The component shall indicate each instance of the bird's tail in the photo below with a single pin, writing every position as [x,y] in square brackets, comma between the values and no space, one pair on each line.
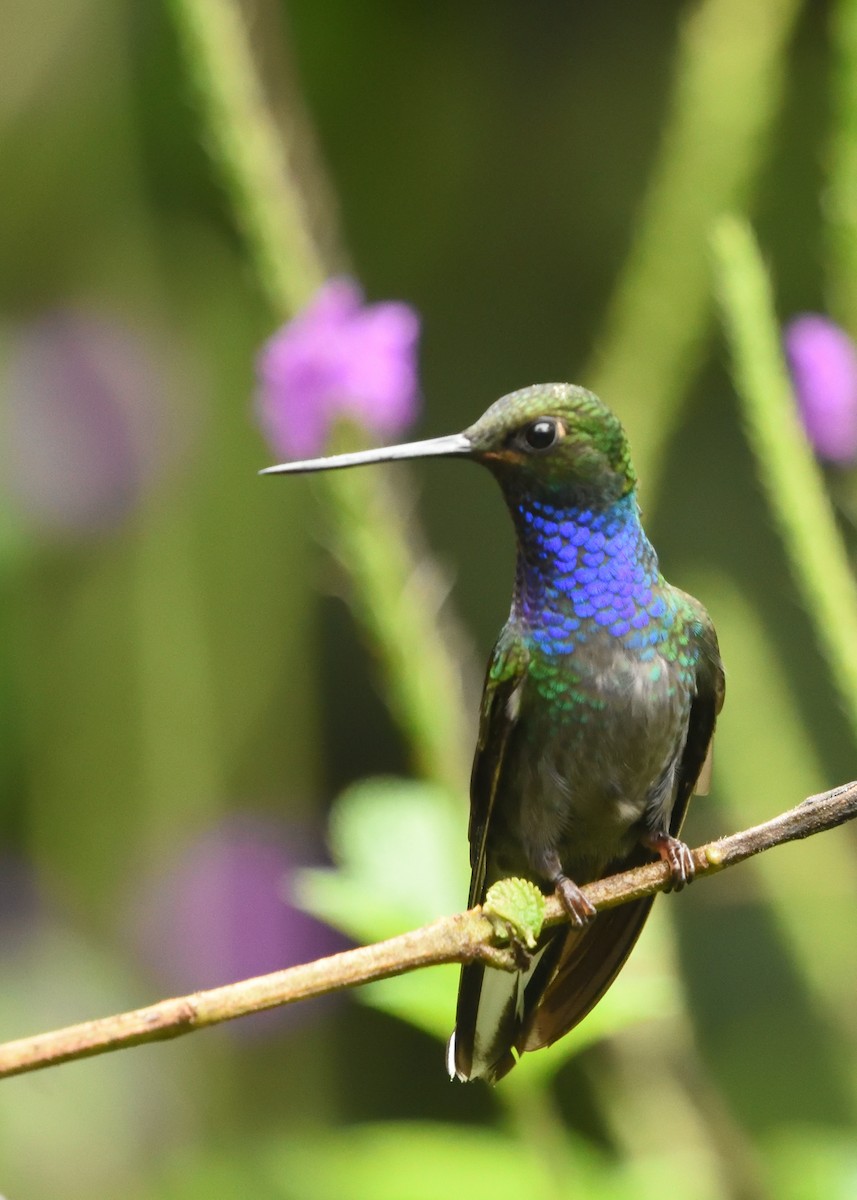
[501,1015]
[490,1014]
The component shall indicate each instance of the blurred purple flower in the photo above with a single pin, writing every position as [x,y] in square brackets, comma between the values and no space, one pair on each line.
[223,911]
[338,357]
[83,420]
[822,360]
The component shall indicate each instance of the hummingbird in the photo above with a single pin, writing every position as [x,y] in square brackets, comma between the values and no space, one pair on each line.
[597,714]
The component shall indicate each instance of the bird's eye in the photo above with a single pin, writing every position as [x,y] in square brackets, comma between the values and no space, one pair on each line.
[541,434]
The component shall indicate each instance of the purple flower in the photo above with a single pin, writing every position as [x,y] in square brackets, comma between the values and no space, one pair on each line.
[221,909]
[822,360]
[338,357]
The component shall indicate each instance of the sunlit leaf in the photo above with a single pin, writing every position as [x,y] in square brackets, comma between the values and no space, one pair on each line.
[400,857]
[400,864]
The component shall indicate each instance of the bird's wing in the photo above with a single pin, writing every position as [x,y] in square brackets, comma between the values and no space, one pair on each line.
[485,1019]
[591,959]
[695,769]
[501,704]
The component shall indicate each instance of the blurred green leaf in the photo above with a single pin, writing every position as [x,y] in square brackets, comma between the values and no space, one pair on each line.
[400,857]
[423,1161]
[389,1161]
[425,999]
[409,1160]
[808,1163]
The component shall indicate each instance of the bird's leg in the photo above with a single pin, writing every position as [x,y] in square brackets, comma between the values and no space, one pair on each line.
[580,911]
[676,854]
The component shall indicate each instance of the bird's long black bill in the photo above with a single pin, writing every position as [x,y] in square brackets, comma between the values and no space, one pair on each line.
[451,446]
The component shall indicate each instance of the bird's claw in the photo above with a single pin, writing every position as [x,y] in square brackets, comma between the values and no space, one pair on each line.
[677,856]
[580,911]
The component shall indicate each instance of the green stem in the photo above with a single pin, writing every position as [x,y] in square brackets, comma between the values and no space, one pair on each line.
[784,757]
[840,206]
[398,599]
[726,95]
[251,151]
[791,476]
[394,592]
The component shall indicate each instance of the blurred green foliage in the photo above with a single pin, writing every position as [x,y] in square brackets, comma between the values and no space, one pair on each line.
[541,182]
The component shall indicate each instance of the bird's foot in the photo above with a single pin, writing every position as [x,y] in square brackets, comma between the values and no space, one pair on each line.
[676,855]
[580,911]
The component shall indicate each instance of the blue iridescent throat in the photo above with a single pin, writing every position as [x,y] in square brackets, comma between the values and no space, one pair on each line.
[582,570]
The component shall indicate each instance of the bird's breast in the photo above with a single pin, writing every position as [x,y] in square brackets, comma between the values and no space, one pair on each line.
[593,743]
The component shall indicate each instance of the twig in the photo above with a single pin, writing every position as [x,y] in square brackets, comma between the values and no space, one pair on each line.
[460,938]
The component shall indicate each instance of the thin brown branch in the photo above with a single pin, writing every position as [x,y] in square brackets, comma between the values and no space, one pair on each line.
[460,938]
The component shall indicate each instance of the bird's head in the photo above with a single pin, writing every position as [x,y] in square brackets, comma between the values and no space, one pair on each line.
[554,439]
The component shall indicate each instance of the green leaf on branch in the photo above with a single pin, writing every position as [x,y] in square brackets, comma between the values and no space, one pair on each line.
[516,909]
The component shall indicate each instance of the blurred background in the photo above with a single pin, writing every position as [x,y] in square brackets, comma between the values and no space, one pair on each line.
[186,692]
